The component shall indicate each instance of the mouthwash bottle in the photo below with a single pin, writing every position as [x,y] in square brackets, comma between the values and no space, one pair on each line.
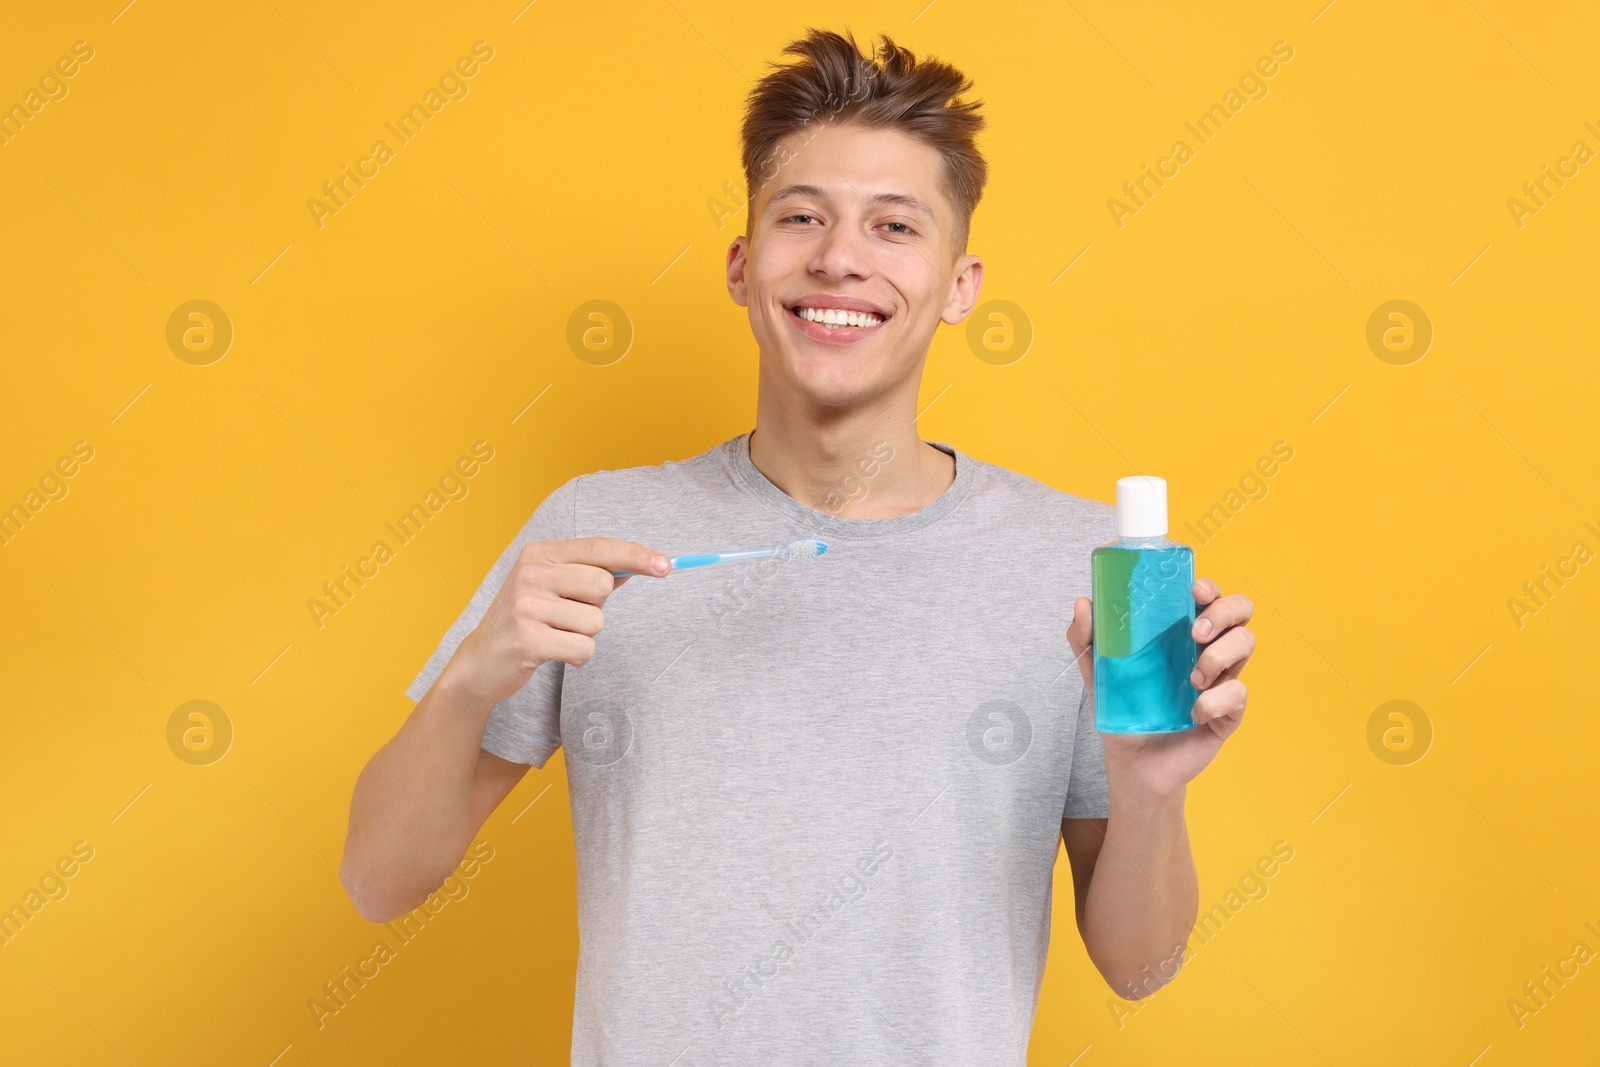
[1144,610]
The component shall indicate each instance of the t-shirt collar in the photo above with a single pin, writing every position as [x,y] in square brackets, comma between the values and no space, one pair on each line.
[748,477]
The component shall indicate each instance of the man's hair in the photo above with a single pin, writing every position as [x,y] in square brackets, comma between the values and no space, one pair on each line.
[834,83]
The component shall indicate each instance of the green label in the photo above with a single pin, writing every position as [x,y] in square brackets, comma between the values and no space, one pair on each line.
[1112,570]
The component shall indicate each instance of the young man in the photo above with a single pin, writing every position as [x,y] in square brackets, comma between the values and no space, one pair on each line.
[817,806]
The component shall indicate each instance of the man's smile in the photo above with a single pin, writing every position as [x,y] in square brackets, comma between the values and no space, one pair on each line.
[836,319]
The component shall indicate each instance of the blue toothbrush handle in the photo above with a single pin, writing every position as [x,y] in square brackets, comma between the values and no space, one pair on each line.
[700,560]
[680,562]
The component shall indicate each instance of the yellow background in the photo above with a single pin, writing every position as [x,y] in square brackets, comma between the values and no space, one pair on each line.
[1230,313]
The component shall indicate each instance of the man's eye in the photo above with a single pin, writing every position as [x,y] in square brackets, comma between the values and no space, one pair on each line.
[791,218]
[907,229]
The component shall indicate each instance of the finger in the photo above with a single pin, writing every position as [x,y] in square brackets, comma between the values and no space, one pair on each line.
[1080,634]
[1233,647]
[573,616]
[1225,701]
[580,581]
[1230,673]
[571,648]
[1221,613]
[610,553]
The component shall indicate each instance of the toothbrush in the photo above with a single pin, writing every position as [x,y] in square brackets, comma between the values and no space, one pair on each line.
[794,550]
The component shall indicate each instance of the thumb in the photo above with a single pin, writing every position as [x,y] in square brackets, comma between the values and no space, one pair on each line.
[1081,631]
[1080,635]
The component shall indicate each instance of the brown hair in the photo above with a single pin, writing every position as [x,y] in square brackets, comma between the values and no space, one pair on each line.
[889,89]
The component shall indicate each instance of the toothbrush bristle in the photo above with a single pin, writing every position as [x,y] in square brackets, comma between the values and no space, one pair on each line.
[807,549]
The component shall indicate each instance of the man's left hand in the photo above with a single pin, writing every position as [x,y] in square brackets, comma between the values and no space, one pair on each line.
[1160,765]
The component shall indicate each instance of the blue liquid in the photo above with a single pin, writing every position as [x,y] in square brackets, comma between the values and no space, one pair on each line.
[1144,649]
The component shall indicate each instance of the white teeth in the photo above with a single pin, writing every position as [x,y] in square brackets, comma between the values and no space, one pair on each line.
[836,318]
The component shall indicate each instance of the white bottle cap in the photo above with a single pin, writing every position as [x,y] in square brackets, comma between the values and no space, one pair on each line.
[1141,506]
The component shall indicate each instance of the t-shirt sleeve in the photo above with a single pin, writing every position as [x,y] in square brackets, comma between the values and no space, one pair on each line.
[1088,795]
[525,727]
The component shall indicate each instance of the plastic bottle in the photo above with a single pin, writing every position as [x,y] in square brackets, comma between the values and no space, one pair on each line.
[1144,611]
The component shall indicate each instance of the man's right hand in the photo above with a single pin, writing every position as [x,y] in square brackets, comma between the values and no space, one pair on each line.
[547,609]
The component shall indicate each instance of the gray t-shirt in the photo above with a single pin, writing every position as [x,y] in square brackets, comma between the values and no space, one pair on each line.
[816,802]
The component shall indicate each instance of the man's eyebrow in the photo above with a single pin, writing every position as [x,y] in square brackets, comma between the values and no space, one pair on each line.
[905,200]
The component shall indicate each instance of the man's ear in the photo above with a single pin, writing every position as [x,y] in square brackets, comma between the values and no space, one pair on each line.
[738,258]
[965,285]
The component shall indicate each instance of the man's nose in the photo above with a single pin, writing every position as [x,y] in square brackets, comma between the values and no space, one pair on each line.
[842,251]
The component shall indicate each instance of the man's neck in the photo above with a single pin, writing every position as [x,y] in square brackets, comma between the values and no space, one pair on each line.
[861,466]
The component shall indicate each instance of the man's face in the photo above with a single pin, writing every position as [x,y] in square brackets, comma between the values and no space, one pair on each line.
[852,219]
